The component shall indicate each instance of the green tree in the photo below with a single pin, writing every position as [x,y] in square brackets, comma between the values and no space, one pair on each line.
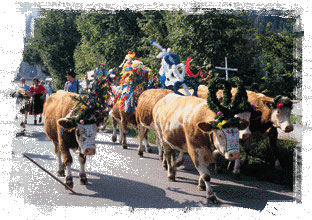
[53,44]
[106,37]
[277,62]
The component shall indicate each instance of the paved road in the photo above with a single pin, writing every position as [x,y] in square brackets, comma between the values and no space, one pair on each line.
[119,178]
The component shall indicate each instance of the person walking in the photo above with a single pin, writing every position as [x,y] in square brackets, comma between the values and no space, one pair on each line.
[37,92]
[72,84]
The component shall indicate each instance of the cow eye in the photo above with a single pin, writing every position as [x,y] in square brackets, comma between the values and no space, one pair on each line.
[278,111]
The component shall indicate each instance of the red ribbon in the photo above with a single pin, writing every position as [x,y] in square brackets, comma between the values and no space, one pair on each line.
[188,71]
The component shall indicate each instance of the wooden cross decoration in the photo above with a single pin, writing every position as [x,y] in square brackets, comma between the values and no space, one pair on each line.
[226,69]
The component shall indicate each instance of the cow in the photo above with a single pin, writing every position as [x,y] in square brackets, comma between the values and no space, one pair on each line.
[244,134]
[66,134]
[23,103]
[186,123]
[270,114]
[144,116]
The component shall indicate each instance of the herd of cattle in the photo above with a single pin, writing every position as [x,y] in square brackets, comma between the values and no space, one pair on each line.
[181,123]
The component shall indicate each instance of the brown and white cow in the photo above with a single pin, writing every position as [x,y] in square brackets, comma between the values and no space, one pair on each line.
[271,114]
[124,119]
[265,120]
[144,116]
[23,103]
[59,126]
[244,134]
[185,123]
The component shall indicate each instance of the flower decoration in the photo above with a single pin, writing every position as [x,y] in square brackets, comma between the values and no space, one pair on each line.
[93,104]
[254,107]
[135,78]
[228,109]
[281,101]
[280,105]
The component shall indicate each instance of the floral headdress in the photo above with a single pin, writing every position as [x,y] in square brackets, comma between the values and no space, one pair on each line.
[93,104]
[280,101]
[226,111]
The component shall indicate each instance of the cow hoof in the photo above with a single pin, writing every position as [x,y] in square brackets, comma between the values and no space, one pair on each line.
[201,187]
[83,179]
[61,173]
[164,166]
[69,181]
[140,153]
[179,163]
[212,199]
[171,178]
[114,138]
[124,146]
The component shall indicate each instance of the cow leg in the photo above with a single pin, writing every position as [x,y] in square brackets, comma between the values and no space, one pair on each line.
[114,124]
[61,170]
[68,160]
[201,158]
[204,177]
[141,133]
[148,148]
[123,129]
[236,170]
[169,154]
[180,159]
[82,174]
[273,146]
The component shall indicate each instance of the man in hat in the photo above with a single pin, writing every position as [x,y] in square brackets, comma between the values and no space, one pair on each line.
[72,84]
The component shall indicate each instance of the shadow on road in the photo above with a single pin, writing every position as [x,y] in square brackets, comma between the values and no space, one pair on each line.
[132,193]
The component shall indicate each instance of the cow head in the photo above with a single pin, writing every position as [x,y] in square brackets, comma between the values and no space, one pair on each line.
[280,112]
[244,133]
[85,134]
[226,140]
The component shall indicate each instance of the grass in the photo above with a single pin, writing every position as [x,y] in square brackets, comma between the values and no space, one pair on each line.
[296,119]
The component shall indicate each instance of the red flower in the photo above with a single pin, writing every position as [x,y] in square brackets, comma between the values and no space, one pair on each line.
[280,105]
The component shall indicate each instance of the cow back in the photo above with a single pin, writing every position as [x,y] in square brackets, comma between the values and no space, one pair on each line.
[146,103]
[178,117]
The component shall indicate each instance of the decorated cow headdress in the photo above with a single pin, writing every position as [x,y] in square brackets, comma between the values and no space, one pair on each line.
[172,71]
[228,109]
[135,78]
[93,104]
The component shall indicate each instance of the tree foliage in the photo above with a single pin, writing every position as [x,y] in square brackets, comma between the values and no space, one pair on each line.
[83,40]
[55,39]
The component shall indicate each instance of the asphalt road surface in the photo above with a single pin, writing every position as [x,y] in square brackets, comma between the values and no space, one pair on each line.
[117,177]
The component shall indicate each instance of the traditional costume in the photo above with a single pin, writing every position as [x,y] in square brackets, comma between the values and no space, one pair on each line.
[37,100]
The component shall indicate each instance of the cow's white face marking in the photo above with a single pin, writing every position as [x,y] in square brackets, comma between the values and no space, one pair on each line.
[246,133]
[85,136]
[280,118]
[220,142]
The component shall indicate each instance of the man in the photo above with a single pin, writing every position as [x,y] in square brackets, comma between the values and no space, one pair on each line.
[72,85]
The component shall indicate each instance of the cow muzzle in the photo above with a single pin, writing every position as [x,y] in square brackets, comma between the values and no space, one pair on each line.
[89,151]
[232,155]
[289,128]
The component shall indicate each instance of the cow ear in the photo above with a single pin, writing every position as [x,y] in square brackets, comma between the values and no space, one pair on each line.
[268,102]
[243,124]
[67,123]
[204,126]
